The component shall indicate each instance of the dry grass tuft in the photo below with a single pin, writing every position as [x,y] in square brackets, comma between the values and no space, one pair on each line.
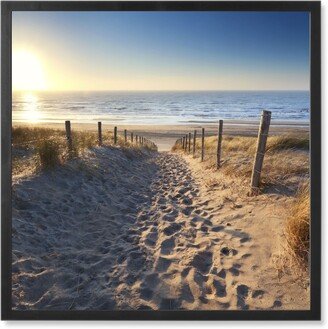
[49,153]
[83,140]
[25,136]
[297,229]
[287,142]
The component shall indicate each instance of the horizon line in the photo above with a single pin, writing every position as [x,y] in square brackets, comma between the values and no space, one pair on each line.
[154,90]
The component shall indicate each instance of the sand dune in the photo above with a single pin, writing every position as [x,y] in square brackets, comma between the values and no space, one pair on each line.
[125,229]
[165,135]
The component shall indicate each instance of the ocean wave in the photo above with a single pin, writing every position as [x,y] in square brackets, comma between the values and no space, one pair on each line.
[167,107]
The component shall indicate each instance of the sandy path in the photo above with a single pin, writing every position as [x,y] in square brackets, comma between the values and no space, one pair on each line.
[120,230]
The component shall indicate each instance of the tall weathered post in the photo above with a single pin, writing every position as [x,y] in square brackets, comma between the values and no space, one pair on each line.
[260,151]
[219,146]
[194,144]
[68,136]
[183,142]
[131,137]
[125,135]
[189,137]
[186,146]
[99,134]
[203,144]
[115,135]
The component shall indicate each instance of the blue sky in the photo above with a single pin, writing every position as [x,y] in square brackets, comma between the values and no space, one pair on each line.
[167,50]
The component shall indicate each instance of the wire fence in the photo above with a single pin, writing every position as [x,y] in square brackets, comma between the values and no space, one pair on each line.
[184,143]
[111,138]
[55,147]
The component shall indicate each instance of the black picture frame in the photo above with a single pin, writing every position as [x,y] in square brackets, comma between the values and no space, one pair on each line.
[313,7]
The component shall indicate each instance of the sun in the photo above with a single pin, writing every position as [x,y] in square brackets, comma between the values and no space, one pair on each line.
[27,71]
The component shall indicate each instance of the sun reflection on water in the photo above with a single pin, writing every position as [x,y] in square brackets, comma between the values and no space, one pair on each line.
[31,111]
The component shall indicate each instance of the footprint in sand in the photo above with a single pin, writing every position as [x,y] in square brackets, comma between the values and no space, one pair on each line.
[151,239]
[171,229]
[167,246]
[220,288]
[203,261]
[277,303]
[217,228]
[162,264]
[226,251]
[258,294]
[234,271]
[136,261]
[242,294]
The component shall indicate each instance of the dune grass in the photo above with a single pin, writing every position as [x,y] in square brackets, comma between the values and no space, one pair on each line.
[44,148]
[49,153]
[297,228]
[285,161]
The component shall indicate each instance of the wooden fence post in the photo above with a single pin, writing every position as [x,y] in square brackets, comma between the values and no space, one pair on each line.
[183,142]
[189,137]
[125,135]
[194,144]
[219,147]
[186,146]
[203,144]
[115,135]
[259,155]
[131,137]
[69,135]
[99,134]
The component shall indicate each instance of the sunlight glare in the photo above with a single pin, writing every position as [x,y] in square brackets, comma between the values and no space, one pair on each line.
[27,71]
[30,112]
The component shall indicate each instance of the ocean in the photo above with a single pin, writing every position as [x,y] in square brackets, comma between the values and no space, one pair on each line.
[159,107]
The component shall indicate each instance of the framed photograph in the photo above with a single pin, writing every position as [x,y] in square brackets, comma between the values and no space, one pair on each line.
[160,160]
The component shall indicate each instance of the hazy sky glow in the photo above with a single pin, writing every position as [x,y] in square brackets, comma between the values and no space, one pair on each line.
[161,50]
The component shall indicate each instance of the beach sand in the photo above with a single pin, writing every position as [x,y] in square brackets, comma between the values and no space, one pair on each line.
[129,229]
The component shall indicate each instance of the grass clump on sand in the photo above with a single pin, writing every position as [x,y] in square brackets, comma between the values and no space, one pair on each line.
[83,140]
[286,159]
[277,143]
[49,153]
[297,229]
